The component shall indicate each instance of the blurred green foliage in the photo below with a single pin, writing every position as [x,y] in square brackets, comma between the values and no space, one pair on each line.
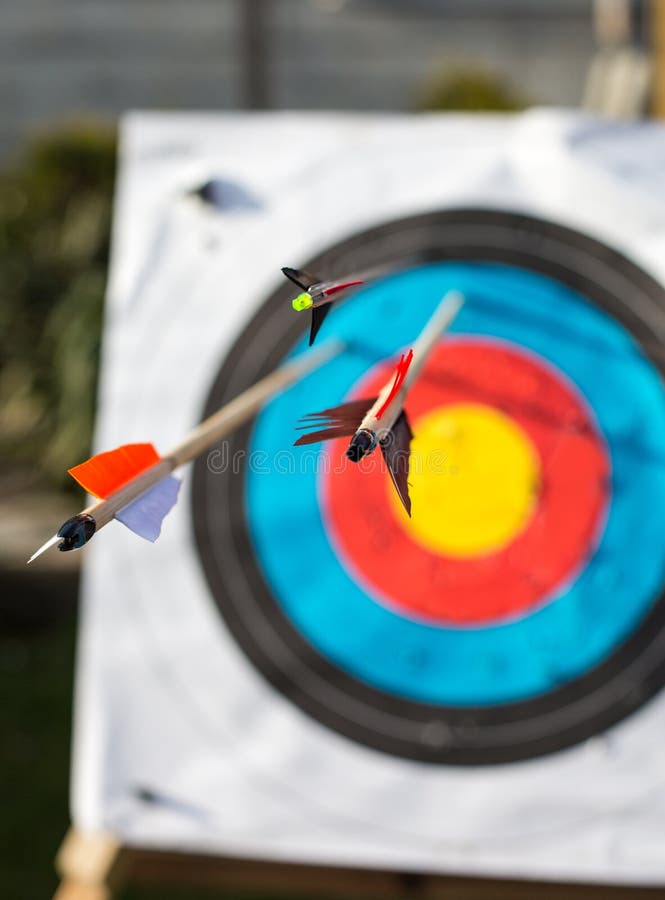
[36,674]
[35,699]
[55,220]
[469,89]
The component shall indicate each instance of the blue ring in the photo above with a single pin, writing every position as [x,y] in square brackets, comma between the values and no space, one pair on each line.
[499,664]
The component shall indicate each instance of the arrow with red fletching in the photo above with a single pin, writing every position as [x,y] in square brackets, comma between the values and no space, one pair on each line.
[382,421]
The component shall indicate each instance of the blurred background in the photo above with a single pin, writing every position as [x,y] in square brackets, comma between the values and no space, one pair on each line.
[70,68]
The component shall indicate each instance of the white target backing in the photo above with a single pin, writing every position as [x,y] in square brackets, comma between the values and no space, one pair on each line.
[214,712]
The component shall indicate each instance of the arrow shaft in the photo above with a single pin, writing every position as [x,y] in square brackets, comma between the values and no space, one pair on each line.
[211,430]
[441,318]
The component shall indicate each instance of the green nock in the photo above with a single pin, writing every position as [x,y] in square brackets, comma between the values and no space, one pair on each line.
[302,301]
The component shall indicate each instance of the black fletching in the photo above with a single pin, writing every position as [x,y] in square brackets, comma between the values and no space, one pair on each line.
[396,449]
[304,280]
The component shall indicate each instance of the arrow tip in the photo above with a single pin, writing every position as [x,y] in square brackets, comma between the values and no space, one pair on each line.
[44,547]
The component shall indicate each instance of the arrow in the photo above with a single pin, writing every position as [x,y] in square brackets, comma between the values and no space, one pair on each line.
[382,421]
[134,483]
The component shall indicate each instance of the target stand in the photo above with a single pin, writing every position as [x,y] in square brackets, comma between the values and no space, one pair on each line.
[96,867]
[300,682]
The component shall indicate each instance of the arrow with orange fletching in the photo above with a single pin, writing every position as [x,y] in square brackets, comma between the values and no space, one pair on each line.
[134,484]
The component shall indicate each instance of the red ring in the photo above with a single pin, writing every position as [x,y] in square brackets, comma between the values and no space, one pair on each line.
[561,534]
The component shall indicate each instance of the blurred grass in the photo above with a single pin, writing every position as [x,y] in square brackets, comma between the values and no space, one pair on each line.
[55,214]
[36,704]
[55,221]
[36,678]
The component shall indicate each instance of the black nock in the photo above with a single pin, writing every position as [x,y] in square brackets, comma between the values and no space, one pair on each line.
[76,532]
[362,443]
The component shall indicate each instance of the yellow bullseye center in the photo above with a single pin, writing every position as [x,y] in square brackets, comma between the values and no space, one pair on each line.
[474,476]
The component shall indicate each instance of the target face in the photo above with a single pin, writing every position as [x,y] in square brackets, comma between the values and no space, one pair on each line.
[520,609]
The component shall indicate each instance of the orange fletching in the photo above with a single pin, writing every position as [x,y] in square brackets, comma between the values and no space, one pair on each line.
[104,473]
[400,375]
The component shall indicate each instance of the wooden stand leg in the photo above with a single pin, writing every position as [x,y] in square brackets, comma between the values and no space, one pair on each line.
[91,866]
[657,11]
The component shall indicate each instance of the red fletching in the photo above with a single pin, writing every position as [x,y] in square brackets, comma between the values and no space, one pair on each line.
[400,375]
[106,472]
[342,286]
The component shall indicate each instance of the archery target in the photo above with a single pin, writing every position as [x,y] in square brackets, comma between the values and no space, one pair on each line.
[520,610]
[295,670]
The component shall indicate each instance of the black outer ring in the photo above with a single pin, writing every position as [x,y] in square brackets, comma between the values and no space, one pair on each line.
[466,736]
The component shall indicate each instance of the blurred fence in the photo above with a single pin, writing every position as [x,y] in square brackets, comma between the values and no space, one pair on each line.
[64,57]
